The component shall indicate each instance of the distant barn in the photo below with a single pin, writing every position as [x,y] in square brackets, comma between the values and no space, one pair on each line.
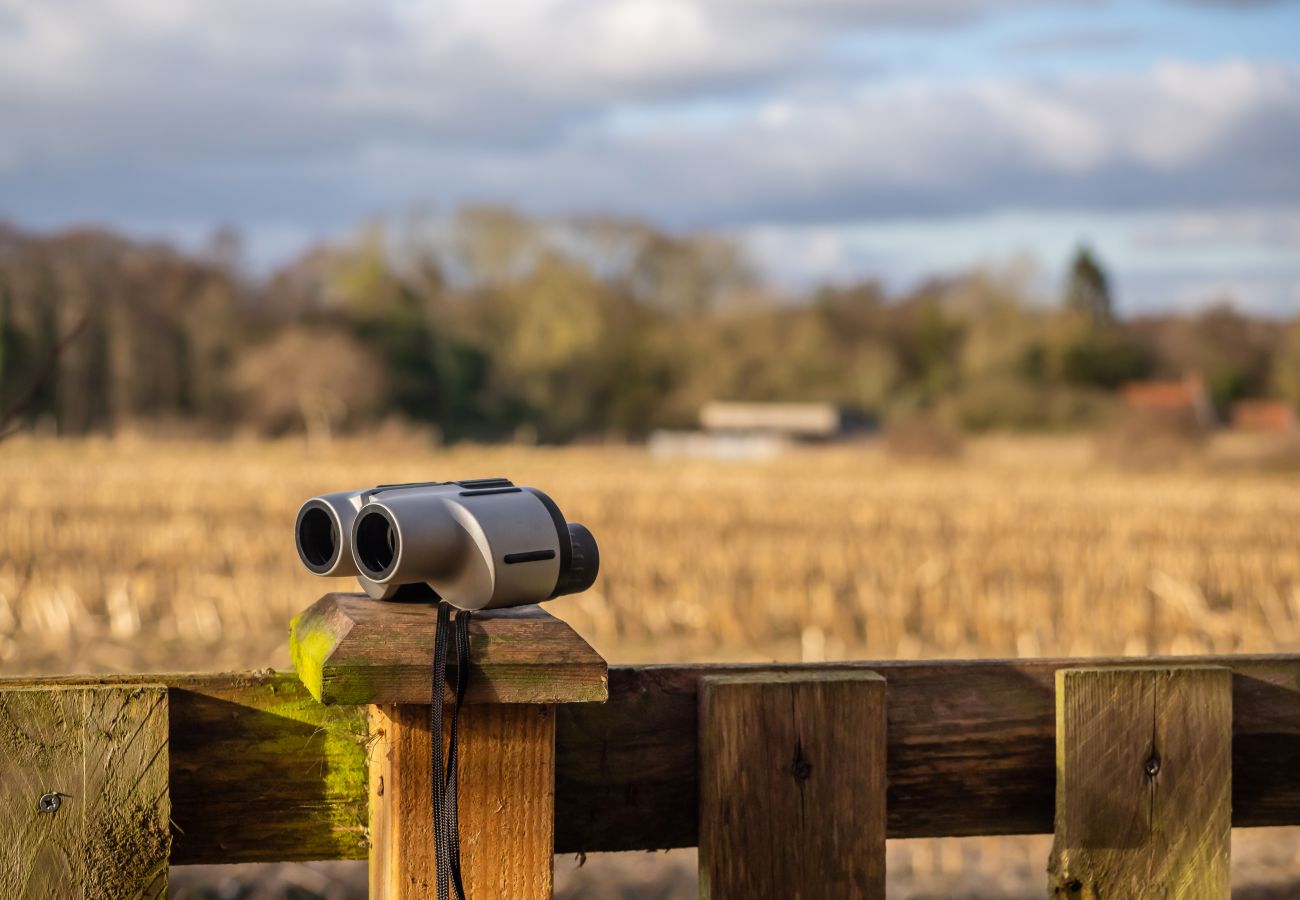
[1266,416]
[1183,402]
[760,430]
[791,421]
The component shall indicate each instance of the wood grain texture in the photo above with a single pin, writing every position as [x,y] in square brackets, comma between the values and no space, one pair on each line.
[1143,785]
[261,772]
[507,798]
[982,731]
[103,753]
[350,649]
[402,852]
[792,786]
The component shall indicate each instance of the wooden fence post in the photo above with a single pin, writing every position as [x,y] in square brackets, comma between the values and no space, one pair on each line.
[792,785]
[507,769]
[83,792]
[1143,783]
[350,649]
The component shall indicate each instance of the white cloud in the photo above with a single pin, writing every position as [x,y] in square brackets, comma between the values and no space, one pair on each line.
[95,78]
[312,113]
[105,76]
[1179,135]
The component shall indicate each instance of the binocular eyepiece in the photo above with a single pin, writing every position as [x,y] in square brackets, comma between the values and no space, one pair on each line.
[480,544]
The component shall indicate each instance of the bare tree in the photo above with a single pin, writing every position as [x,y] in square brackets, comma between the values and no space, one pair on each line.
[10,416]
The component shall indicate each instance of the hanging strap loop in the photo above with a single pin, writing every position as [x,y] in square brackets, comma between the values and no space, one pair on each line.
[446,819]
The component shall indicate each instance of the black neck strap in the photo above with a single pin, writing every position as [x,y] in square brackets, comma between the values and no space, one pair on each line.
[446,822]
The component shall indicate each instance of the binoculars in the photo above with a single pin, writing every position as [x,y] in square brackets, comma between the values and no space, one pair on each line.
[478,544]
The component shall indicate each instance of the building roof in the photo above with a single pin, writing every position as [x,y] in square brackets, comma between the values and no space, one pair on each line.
[796,419]
[1263,415]
[1163,394]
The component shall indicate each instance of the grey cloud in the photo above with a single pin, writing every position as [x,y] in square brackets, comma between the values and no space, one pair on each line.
[93,79]
[321,111]
[1179,136]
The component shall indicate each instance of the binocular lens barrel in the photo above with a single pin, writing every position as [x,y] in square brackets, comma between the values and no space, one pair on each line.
[318,537]
[323,533]
[376,544]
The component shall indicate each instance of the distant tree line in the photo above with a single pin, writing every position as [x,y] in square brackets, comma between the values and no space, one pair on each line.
[495,325]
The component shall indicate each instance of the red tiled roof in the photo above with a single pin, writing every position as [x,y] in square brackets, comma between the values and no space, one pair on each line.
[1163,394]
[1263,415]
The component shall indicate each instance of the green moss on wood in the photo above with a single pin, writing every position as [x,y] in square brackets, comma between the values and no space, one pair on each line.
[253,741]
[310,644]
[338,746]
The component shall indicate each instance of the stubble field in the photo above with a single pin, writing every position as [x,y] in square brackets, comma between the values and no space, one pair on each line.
[140,555]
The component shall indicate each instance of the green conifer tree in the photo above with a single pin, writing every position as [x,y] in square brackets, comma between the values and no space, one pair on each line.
[1088,288]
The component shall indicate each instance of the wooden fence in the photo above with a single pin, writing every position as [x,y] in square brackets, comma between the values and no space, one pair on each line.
[788,777]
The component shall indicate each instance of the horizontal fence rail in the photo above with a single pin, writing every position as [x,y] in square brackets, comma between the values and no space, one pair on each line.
[261,772]
[970,749]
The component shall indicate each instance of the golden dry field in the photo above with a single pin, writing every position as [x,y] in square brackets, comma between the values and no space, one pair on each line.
[133,555]
[136,555]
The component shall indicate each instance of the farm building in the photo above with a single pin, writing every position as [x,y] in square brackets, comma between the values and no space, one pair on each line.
[1184,402]
[759,430]
[1265,416]
[792,421]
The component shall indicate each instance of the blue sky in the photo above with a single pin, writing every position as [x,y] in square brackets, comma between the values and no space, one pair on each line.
[837,139]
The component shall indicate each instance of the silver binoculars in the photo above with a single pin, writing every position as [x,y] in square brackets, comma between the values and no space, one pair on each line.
[478,544]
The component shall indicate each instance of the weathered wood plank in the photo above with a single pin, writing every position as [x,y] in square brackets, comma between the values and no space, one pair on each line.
[262,772]
[1143,784]
[508,784]
[792,786]
[980,730]
[83,792]
[350,649]
[402,848]
[507,799]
